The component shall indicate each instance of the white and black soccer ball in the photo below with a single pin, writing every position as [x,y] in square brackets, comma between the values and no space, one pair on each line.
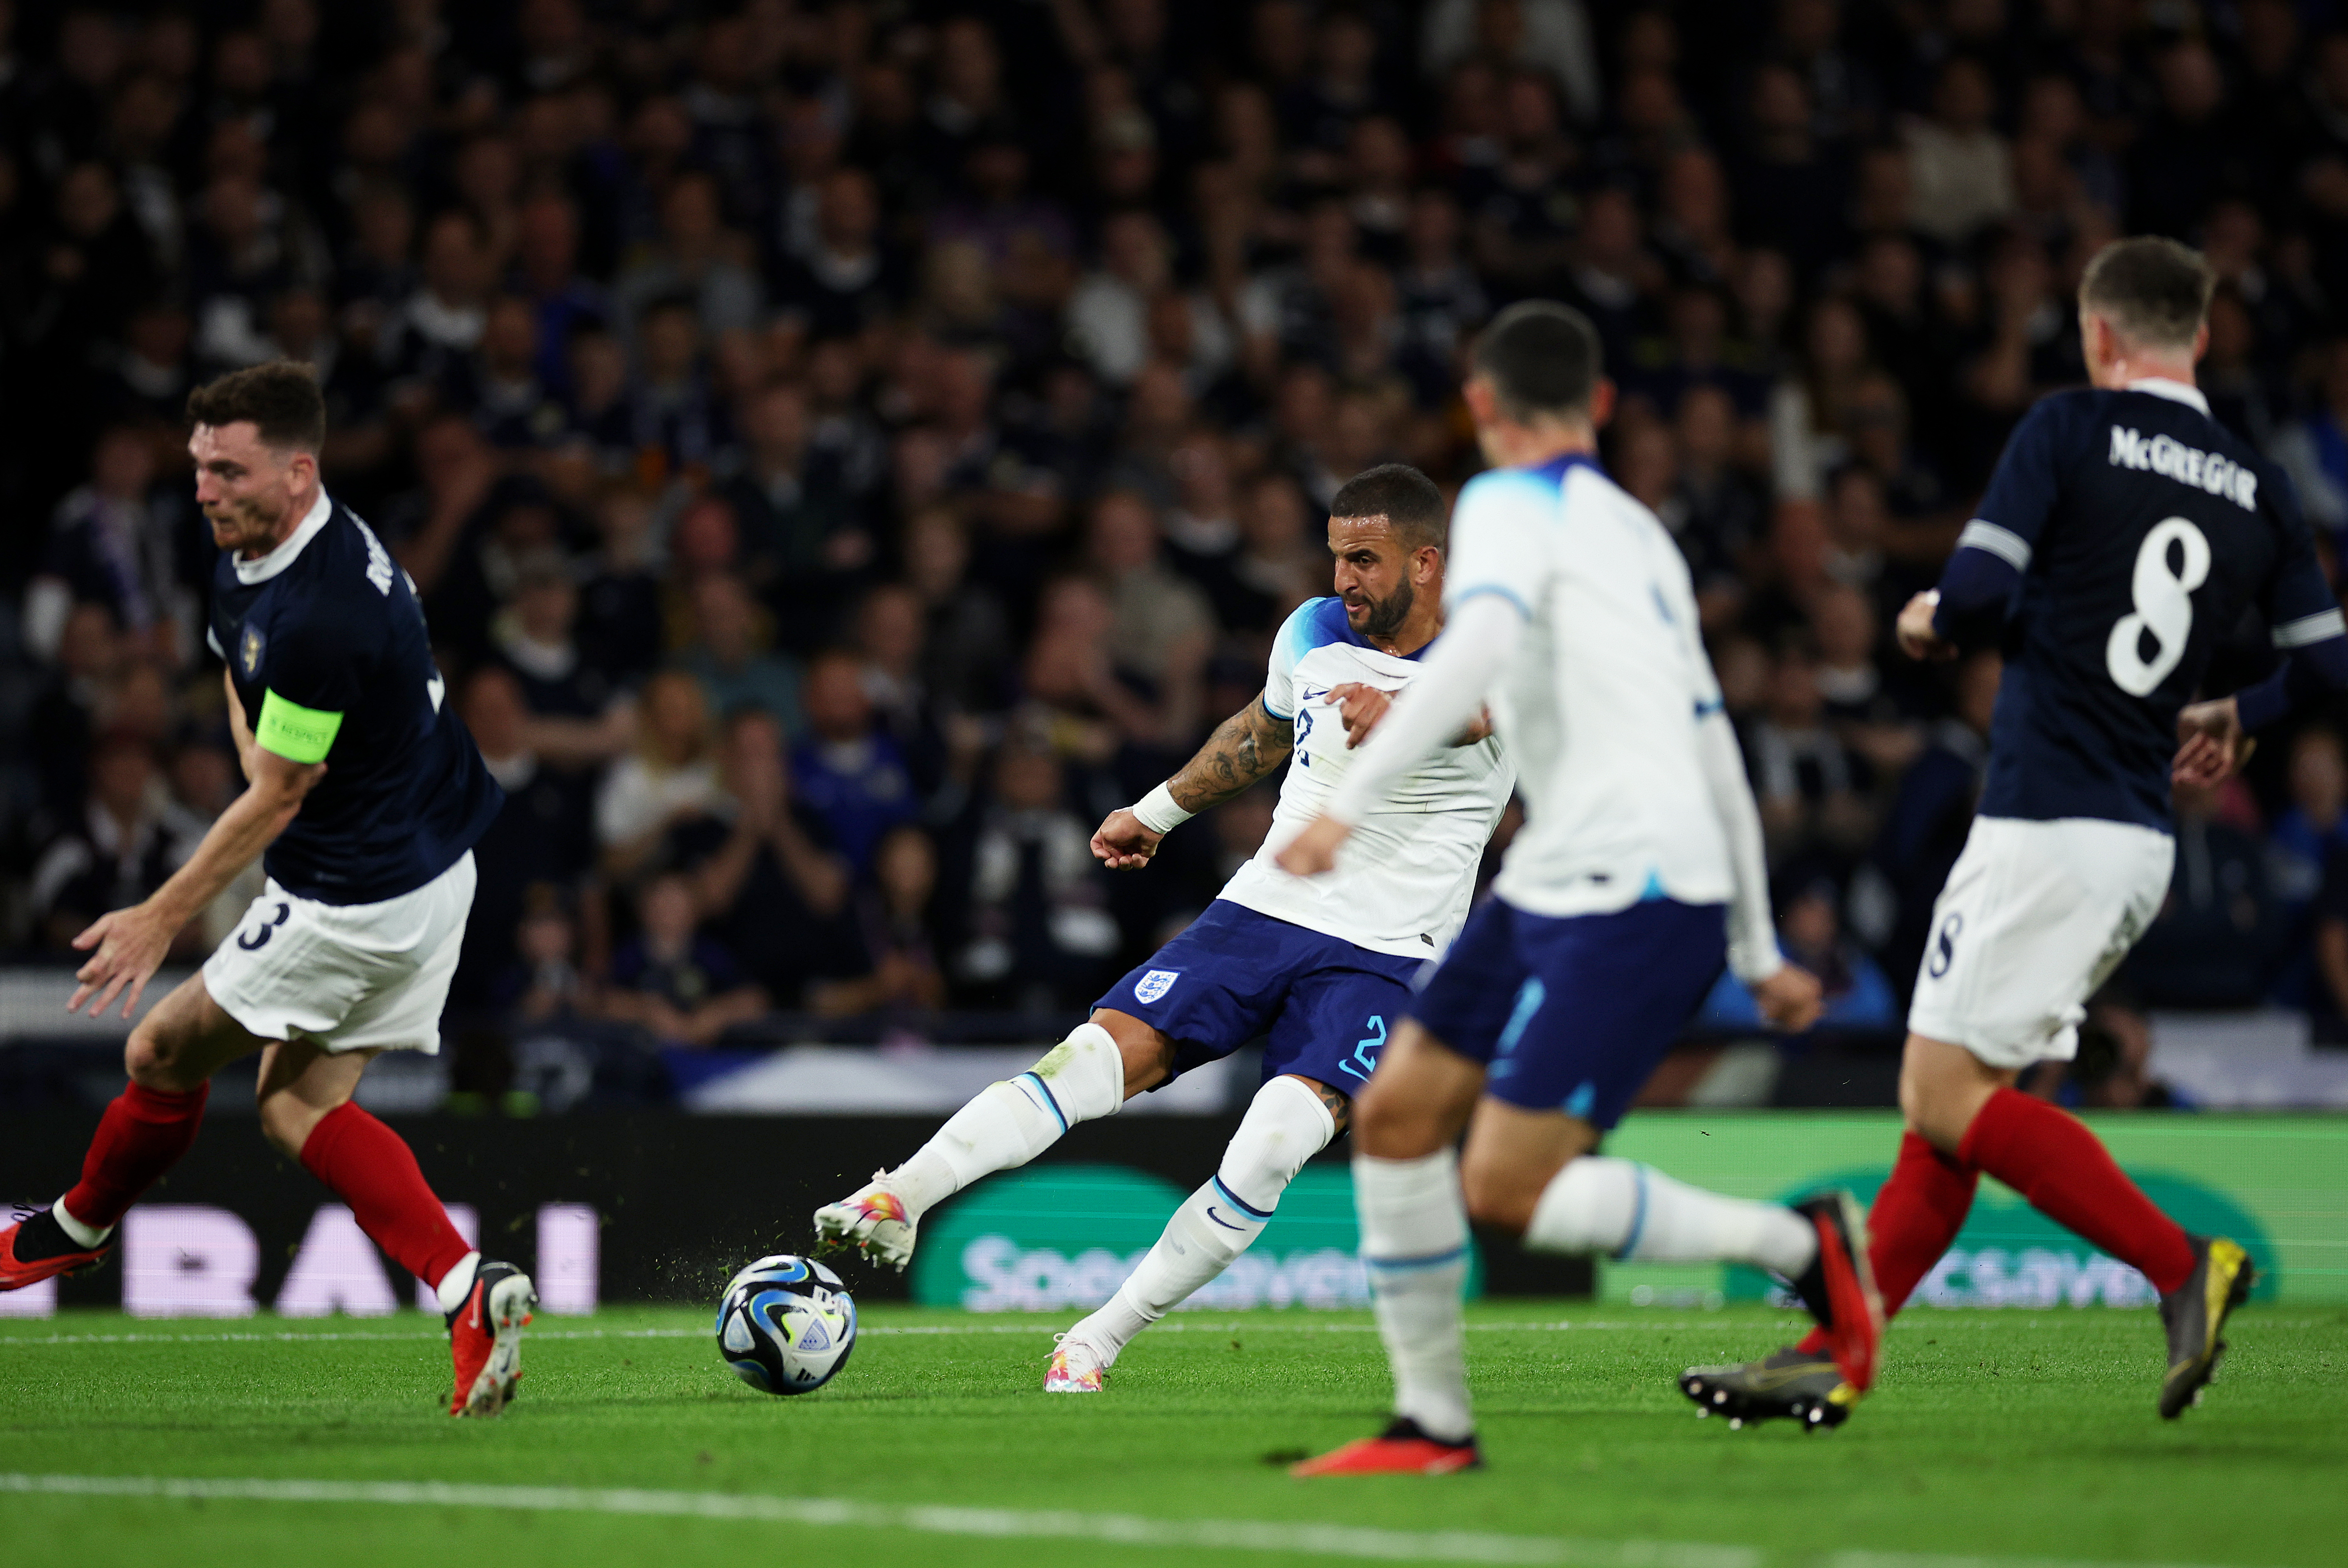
[786,1325]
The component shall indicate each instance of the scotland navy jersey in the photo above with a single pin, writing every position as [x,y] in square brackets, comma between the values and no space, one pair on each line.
[2122,535]
[325,643]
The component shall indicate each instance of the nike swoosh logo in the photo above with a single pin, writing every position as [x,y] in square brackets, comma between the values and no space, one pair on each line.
[1221,1220]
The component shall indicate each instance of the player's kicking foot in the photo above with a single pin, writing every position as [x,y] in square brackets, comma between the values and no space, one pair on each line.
[1077,1367]
[485,1339]
[1401,1450]
[874,1221]
[2195,1315]
[36,1248]
[1838,1287]
[1794,1384]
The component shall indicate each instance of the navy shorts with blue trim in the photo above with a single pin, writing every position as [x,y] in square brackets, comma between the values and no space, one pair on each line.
[1325,1005]
[1573,1012]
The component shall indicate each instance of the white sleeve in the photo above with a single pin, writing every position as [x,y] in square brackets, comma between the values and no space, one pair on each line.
[1289,644]
[1476,642]
[1752,935]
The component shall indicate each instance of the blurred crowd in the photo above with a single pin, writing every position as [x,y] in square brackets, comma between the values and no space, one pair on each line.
[847,447]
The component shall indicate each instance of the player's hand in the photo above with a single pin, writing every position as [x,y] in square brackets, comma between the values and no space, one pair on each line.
[1314,850]
[1919,638]
[1791,999]
[1123,844]
[130,945]
[1359,709]
[2210,743]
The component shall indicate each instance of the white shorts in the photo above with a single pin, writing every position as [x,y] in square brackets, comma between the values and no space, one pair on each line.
[2035,917]
[347,977]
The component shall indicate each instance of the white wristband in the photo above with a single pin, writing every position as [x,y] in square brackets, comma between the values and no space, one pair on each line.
[1158,812]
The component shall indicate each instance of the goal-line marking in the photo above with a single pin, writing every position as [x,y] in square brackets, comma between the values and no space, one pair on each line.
[1358,1542]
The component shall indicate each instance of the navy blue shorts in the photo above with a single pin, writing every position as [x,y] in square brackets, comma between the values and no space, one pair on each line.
[1325,1005]
[1572,1014]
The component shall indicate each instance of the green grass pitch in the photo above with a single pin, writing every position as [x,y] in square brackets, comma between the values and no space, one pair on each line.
[1994,1436]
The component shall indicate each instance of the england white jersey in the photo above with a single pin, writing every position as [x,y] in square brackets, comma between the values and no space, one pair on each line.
[1600,704]
[1406,880]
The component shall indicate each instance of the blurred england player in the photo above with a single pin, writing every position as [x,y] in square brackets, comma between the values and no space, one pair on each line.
[2123,534]
[1638,871]
[1321,968]
[364,796]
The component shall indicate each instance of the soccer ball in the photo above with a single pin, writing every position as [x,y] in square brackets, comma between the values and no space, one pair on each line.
[786,1325]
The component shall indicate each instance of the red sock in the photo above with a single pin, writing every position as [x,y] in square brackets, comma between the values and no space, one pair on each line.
[372,1169]
[1919,1212]
[142,1134]
[2049,1157]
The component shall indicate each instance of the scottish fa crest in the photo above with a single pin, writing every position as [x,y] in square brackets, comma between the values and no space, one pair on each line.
[248,653]
[1155,983]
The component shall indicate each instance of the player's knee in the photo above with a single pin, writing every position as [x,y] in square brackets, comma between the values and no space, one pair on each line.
[153,1060]
[1393,1125]
[287,1123]
[1286,1124]
[1496,1198]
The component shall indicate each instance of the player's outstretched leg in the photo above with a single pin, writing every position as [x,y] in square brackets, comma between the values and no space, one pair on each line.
[171,1057]
[306,1111]
[1917,1214]
[1601,1204]
[1005,1125]
[1286,1124]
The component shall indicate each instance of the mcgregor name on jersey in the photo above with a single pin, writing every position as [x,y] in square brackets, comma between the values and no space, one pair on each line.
[2172,458]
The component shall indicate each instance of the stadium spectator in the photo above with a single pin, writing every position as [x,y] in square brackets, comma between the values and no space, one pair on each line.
[850,769]
[1040,934]
[683,989]
[670,777]
[126,842]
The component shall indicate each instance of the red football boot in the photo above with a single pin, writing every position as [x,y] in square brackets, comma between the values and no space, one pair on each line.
[1401,1450]
[485,1339]
[1839,1286]
[46,1238]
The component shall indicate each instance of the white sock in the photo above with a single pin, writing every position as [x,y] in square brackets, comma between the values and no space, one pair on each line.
[1601,1204]
[1009,1123]
[1415,1245]
[1285,1125]
[457,1283]
[84,1237]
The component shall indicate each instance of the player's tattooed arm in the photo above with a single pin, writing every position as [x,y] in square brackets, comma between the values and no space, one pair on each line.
[1247,747]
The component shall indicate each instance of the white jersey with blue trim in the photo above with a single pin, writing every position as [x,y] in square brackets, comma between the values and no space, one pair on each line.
[1407,879]
[1600,704]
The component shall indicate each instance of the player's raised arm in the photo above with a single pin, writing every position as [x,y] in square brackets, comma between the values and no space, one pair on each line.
[130,942]
[1977,586]
[1245,748]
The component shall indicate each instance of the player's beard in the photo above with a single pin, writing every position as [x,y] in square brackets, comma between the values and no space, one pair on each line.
[1388,614]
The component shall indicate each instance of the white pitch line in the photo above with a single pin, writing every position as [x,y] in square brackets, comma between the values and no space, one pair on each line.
[2007,1318]
[290,1337]
[1355,1541]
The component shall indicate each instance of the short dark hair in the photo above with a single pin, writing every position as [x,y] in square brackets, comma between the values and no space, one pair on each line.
[280,397]
[1405,498]
[1542,357]
[2154,291]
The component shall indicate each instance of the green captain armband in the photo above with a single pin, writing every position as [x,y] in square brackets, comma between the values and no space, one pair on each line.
[297,734]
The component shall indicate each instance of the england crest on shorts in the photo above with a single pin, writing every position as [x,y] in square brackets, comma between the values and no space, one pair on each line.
[1155,983]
